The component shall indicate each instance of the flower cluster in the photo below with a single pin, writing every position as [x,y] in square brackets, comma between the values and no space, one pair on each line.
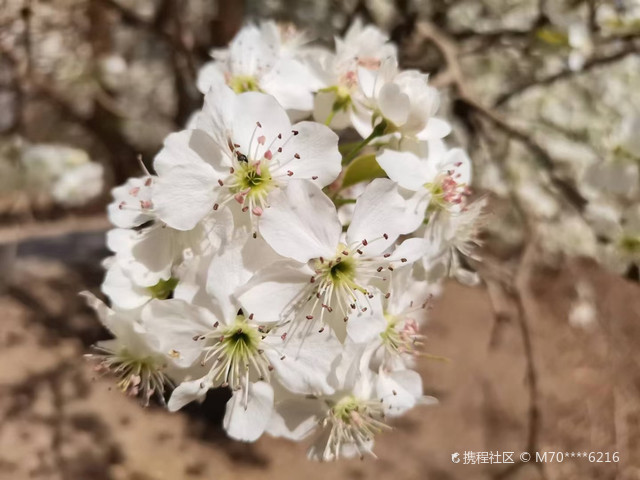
[263,257]
[59,174]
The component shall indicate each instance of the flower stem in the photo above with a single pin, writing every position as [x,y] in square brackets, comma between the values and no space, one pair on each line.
[377,131]
[343,201]
[330,118]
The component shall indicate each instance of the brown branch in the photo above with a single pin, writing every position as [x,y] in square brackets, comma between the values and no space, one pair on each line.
[624,52]
[47,229]
[453,76]
[492,36]
[542,156]
[526,304]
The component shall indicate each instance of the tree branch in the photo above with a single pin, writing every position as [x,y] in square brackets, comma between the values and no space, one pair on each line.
[453,76]
[624,52]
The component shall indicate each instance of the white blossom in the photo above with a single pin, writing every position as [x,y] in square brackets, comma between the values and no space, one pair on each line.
[402,101]
[250,259]
[243,150]
[331,275]
[363,47]
[262,59]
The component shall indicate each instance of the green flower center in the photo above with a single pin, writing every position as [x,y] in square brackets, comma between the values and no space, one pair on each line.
[235,351]
[390,336]
[345,408]
[353,422]
[339,272]
[253,178]
[240,340]
[243,83]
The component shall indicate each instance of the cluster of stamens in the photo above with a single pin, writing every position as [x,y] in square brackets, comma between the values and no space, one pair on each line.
[446,190]
[353,422]
[142,204]
[236,351]
[402,335]
[251,176]
[336,281]
[137,376]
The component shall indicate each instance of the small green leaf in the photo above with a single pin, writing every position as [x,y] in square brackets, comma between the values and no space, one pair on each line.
[361,169]
[345,148]
[163,289]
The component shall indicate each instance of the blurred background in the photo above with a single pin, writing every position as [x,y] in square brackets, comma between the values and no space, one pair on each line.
[543,356]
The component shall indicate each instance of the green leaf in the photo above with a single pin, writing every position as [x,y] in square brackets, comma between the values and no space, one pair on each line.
[362,169]
[163,289]
[345,148]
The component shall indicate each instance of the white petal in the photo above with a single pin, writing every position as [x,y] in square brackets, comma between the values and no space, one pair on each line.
[295,418]
[255,115]
[317,147]
[409,251]
[232,267]
[121,290]
[399,390]
[187,392]
[404,168]
[307,361]
[367,81]
[273,294]
[436,128]
[361,118]
[106,316]
[176,323]
[210,75]
[126,211]
[154,252]
[249,52]
[301,223]
[216,116]
[185,195]
[379,210]
[188,147]
[394,104]
[247,421]
[225,274]
[290,82]
[119,240]
[350,366]
[367,326]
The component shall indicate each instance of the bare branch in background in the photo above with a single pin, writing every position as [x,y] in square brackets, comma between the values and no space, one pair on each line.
[454,77]
[631,47]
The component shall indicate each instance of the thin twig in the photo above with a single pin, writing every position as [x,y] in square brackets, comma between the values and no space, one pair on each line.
[624,52]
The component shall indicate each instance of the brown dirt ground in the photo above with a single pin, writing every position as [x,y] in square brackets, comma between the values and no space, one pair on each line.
[60,422]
